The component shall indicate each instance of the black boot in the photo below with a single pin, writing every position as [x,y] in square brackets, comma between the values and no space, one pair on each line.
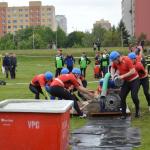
[137,114]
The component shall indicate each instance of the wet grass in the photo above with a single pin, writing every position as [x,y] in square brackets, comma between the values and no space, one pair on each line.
[29,65]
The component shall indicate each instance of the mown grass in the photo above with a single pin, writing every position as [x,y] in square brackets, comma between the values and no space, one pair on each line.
[29,65]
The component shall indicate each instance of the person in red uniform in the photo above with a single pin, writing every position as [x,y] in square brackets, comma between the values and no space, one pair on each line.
[143,75]
[61,86]
[127,72]
[38,84]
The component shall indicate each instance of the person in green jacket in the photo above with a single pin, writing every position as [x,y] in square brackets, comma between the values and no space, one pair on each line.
[59,62]
[104,62]
[84,61]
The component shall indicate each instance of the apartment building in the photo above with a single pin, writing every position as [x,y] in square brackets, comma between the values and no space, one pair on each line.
[103,23]
[62,22]
[135,15]
[13,19]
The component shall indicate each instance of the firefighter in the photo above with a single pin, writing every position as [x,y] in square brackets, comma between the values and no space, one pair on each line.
[143,75]
[59,62]
[38,83]
[69,61]
[63,84]
[131,83]
[84,61]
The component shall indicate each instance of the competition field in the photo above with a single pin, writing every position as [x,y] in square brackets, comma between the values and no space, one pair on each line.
[32,62]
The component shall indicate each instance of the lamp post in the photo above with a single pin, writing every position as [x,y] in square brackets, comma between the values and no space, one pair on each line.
[121,37]
[56,39]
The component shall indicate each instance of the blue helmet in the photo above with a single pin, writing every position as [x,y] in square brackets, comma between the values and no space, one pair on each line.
[132,55]
[64,71]
[48,75]
[113,55]
[76,71]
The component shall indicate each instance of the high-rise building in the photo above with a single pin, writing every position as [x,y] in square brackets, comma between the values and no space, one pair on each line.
[13,19]
[103,23]
[135,14]
[62,22]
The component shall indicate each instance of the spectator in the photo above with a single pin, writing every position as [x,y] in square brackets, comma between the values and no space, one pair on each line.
[94,46]
[142,44]
[98,43]
[69,61]
[13,65]
[97,58]
[6,64]
[59,62]
[84,61]
[104,63]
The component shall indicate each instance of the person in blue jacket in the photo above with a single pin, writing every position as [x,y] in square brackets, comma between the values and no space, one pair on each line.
[69,61]
[7,64]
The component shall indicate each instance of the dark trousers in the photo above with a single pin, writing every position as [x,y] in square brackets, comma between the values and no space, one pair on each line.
[58,71]
[62,93]
[132,86]
[70,68]
[13,72]
[104,70]
[36,90]
[7,70]
[83,71]
[145,85]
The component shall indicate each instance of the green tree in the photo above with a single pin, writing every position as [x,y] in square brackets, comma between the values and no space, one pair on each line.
[98,33]
[124,35]
[75,38]
[88,40]
[60,37]
[111,38]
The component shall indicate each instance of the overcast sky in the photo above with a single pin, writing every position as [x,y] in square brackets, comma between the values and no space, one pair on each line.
[81,14]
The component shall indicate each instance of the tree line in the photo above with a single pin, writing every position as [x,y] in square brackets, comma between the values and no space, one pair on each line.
[41,37]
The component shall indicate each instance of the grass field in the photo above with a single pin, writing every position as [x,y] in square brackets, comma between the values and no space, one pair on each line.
[32,62]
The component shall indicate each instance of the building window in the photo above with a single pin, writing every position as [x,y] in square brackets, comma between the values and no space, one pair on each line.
[50,14]
[14,21]
[26,15]
[9,21]
[21,26]
[20,15]
[48,9]
[15,27]
[21,21]
[3,16]
[14,15]
[3,21]
[9,27]
[20,10]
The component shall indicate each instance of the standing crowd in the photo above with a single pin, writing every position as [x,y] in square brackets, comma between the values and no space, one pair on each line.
[9,64]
